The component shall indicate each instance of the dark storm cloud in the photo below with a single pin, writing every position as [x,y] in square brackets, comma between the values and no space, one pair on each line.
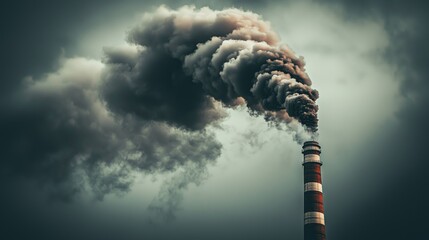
[186,59]
[57,130]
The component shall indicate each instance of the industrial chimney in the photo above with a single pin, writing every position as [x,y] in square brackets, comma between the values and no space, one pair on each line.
[314,219]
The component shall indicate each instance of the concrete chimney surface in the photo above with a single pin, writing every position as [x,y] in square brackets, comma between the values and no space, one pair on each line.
[314,218]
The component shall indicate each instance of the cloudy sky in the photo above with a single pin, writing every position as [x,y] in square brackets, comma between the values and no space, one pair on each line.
[73,138]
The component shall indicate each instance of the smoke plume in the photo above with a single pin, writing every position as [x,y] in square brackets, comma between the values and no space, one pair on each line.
[146,107]
[58,131]
[181,63]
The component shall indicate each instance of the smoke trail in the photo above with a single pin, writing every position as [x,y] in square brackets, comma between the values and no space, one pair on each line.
[167,202]
[184,61]
[181,64]
[93,125]
[57,131]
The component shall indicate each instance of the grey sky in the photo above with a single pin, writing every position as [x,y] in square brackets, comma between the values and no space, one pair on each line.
[368,63]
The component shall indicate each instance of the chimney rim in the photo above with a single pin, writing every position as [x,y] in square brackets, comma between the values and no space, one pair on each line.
[311,143]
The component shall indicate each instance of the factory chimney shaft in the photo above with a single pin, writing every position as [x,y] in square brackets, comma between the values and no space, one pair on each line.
[314,218]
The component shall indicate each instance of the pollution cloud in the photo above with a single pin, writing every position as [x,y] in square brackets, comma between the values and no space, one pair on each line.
[146,107]
[185,61]
[58,130]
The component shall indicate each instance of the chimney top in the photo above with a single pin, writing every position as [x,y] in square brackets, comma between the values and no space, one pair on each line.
[311,147]
[311,143]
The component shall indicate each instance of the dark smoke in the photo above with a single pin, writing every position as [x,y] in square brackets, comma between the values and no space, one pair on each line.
[93,126]
[58,131]
[184,61]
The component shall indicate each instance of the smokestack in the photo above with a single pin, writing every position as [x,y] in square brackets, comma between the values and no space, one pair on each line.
[314,219]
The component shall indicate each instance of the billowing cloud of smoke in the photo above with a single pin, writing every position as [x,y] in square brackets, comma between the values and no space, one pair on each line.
[58,130]
[180,65]
[146,108]
[181,62]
